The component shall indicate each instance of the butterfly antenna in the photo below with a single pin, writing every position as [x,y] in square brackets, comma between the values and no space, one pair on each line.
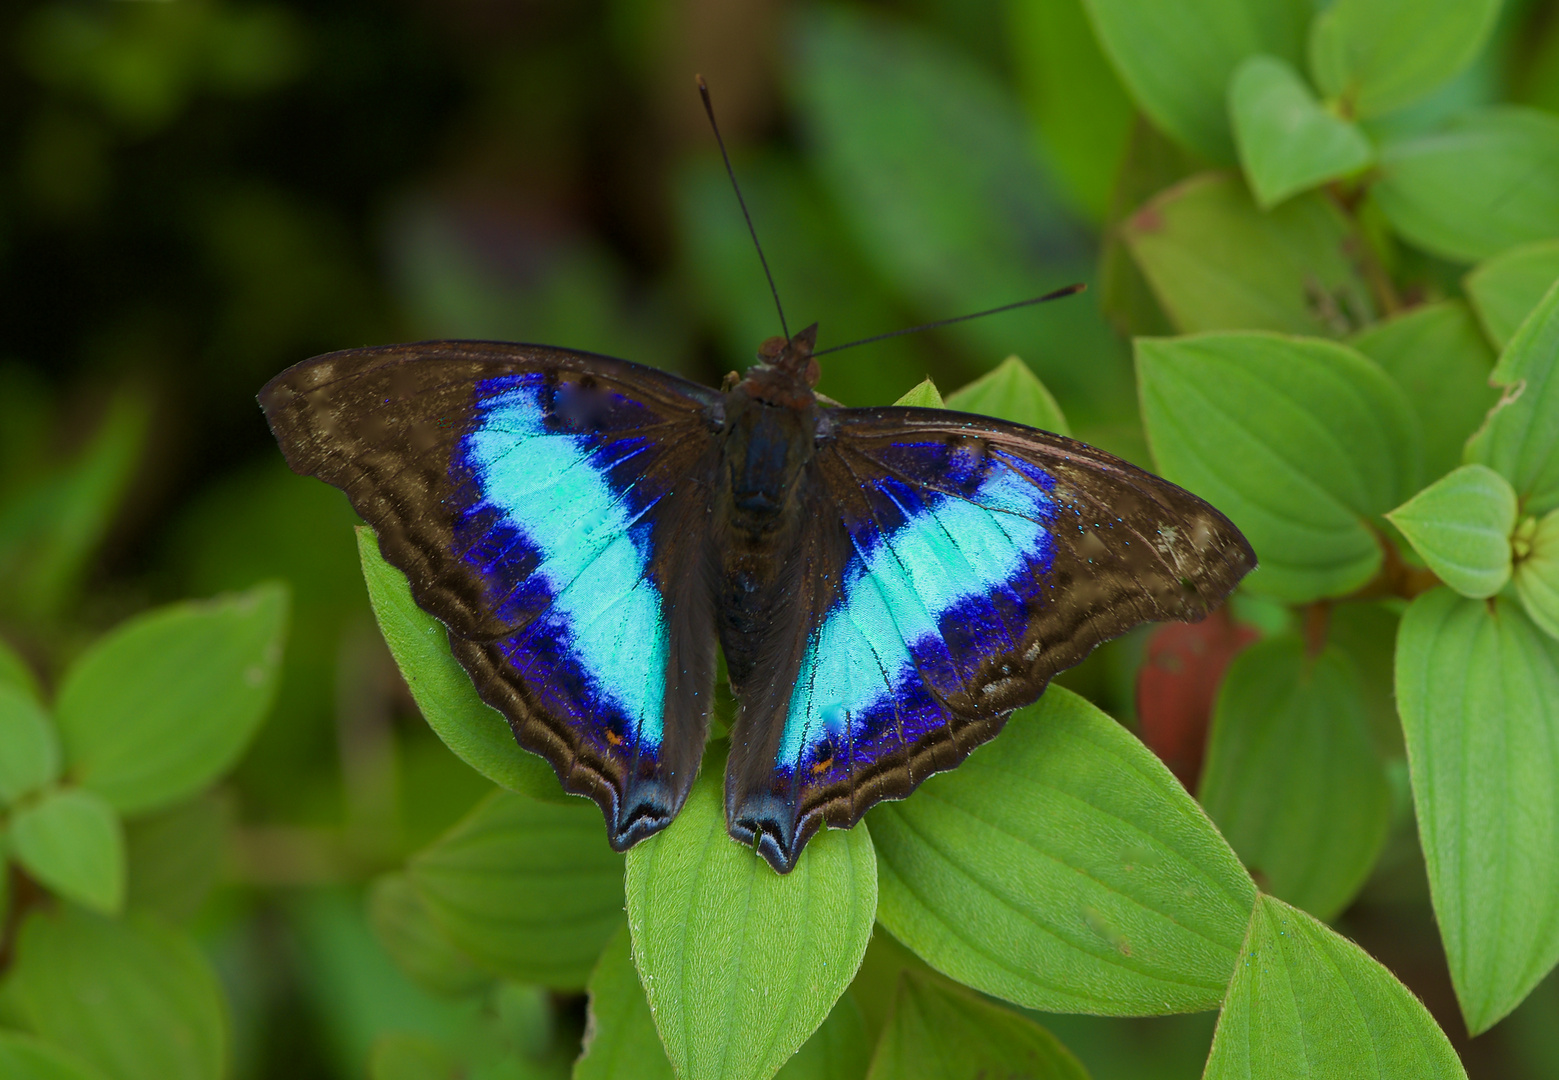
[703,92]
[1058,294]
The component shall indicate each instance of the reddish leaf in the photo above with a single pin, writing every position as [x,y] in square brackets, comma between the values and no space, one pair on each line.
[1178,683]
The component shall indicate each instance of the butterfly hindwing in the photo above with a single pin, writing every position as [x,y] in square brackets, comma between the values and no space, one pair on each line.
[954,565]
[551,509]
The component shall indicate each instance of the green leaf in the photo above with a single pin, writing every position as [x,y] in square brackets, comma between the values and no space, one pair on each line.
[1301,442]
[1461,525]
[1537,575]
[1377,56]
[72,842]
[476,732]
[1307,1004]
[131,997]
[174,856]
[1216,262]
[401,922]
[1478,689]
[1292,777]
[1506,288]
[1064,868]
[1287,142]
[741,964]
[1437,356]
[1486,181]
[1011,391]
[167,702]
[1081,112]
[23,1057]
[16,674]
[48,533]
[839,1050]
[1176,56]
[1521,440]
[527,889]
[29,748]
[620,1038]
[936,170]
[923,395]
[938,1031]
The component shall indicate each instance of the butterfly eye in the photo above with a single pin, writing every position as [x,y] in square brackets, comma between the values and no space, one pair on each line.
[771,348]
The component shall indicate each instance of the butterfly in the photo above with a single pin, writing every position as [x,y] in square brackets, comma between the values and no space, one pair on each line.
[886,584]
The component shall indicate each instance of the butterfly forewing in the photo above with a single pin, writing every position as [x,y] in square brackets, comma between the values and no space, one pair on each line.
[551,508]
[953,566]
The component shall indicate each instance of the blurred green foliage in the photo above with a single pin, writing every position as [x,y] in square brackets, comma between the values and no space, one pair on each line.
[235,846]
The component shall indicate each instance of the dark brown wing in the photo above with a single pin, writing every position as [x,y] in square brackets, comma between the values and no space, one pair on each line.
[955,565]
[550,507]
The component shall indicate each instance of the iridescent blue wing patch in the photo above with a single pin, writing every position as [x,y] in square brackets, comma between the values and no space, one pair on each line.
[550,507]
[954,565]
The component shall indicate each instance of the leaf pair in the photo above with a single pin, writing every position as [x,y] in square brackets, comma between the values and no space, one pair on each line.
[1373,57]
[146,718]
[1480,525]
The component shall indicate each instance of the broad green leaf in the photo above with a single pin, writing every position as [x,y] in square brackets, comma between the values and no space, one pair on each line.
[1176,56]
[1082,113]
[72,842]
[1461,525]
[1478,689]
[620,1039]
[25,1057]
[1287,142]
[939,1031]
[174,856]
[476,732]
[1537,574]
[1506,288]
[1437,356]
[923,395]
[401,922]
[16,674]
[48,533]
[1301,442]
[131,997]
[1376,56]
[527,889]
[1292,777]
[1011,391]
[1521,439]
[166,702]
[1064,868]
[1488,180]
[936,170]
[1307,1004]
[1216,262]
[741,964]
[29,748]
[838,1050]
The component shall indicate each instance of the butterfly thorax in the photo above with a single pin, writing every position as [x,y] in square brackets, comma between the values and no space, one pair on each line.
[771,420]
[767,444]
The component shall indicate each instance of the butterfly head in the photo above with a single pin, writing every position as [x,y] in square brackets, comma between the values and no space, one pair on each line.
[786,370]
